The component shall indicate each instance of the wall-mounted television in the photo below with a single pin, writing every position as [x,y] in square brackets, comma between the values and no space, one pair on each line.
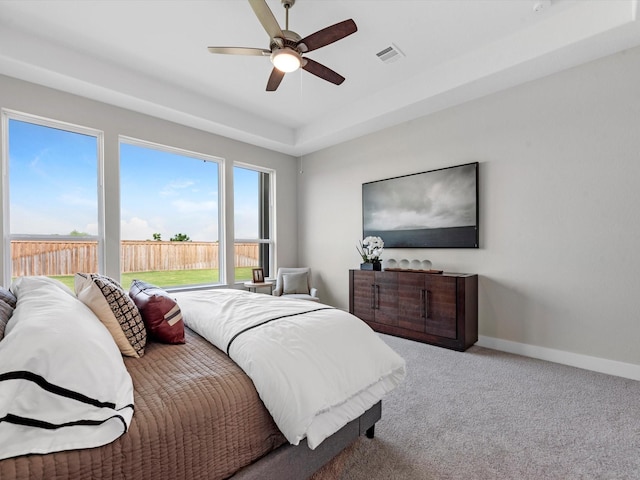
[434,209]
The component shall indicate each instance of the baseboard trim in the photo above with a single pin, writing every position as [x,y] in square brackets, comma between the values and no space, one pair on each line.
[602,365]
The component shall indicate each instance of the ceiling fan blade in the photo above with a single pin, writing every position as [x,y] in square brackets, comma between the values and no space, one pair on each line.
[274,80]
[323,72]
[268,21]
[261,52]
[328,35]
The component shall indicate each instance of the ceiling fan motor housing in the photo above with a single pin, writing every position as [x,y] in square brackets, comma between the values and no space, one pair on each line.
[290,40]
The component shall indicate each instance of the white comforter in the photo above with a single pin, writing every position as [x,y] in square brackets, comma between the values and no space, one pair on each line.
[63,384]
[315,367]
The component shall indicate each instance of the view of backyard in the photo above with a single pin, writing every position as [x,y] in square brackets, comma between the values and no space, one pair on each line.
[165,264]
[173,278]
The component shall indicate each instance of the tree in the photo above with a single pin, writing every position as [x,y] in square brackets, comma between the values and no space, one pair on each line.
[156,236]
[76,233]
[180,237]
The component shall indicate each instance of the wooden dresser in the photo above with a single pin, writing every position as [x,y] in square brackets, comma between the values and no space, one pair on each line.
[440,309]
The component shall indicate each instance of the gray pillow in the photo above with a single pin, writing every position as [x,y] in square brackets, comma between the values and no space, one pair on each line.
[8,297]
[295,283]
[6,311]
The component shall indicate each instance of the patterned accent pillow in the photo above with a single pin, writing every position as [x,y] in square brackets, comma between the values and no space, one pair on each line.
[160,313]
[6,311]
[112,305]
[8,297]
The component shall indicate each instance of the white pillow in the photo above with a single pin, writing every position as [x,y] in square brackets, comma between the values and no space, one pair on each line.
[113,306]
[35,282]
[295,283]
[55,337]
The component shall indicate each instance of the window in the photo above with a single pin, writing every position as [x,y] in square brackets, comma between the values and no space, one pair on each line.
[170,208]
[170,215]
[252,220]
[52,200]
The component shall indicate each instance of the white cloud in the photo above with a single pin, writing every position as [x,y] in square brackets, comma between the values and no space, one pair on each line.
[91,228]
[173,187]
[78,200]
[136,229]
[190,206]
[27,221]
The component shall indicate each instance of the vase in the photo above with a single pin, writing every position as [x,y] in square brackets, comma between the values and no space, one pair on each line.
[375,266]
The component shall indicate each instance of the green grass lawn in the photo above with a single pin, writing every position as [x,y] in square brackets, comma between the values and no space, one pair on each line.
[172,278]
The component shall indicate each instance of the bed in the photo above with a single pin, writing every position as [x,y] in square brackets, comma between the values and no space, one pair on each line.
[195,412]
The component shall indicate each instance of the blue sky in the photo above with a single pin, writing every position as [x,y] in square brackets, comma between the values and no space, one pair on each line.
[161,192]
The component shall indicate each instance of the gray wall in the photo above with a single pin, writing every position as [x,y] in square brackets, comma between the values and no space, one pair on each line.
[559,195]
[113,121]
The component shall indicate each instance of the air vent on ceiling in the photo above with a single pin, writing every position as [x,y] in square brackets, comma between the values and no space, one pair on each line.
[541,5]
[390,54]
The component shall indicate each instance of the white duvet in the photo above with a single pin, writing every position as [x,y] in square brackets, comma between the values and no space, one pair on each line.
[63,384]
[315,367]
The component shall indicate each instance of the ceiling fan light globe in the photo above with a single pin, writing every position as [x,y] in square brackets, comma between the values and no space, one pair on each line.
[286,60]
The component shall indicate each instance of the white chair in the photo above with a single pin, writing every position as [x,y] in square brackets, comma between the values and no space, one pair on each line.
[295,283]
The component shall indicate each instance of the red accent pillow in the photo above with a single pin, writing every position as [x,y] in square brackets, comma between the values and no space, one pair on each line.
[160,313]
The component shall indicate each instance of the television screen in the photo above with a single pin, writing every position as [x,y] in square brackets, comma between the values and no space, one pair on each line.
[435,209]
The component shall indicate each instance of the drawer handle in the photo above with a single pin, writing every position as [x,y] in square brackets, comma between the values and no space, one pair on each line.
[373,297]
[425,303]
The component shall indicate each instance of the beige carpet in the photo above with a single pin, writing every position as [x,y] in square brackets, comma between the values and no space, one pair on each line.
[485,414]
[335,470]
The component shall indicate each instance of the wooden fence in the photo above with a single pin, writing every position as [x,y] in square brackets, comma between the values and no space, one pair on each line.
[66,257]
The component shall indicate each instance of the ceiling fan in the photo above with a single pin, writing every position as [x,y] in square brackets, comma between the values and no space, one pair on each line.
[286,47]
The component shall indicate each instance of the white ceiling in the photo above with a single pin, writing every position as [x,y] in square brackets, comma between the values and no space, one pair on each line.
[151,56]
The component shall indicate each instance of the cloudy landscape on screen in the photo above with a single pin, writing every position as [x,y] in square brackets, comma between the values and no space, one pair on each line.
[439,199]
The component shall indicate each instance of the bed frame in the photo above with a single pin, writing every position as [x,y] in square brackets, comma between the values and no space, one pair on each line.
[300,462]
[195,420]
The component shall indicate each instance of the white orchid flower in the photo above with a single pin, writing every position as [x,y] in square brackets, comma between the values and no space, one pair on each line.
[371,248]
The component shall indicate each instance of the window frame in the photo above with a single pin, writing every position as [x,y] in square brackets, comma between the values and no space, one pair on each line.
[222,273]
[5,207]
[226,185]
[271,241]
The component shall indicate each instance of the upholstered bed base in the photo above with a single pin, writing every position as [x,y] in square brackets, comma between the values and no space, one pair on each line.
[299,462]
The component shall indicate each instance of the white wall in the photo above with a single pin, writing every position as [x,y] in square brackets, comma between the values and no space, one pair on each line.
[559,200]
[559,177]
[113,121]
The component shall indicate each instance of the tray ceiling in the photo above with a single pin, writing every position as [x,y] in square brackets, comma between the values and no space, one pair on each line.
[151,57]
